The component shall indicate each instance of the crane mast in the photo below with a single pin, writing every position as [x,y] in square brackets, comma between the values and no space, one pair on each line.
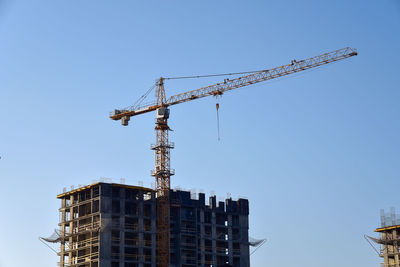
[162,174]
[162,171]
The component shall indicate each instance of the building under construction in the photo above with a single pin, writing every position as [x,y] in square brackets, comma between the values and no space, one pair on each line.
[115,225]
[389,239]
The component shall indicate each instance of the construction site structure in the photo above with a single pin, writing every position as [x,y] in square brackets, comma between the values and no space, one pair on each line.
[389,239]
[115,225]
[162,171]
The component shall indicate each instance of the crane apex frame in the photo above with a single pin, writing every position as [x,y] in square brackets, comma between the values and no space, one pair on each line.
[162,171]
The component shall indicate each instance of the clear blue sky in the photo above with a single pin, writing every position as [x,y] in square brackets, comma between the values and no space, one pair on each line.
[317,154]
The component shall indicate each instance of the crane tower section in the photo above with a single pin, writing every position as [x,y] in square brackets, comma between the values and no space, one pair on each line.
[162,174]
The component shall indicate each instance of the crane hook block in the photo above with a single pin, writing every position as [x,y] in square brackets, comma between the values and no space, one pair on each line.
[125,120]
[163,113]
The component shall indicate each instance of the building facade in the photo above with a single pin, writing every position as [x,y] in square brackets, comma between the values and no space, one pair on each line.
[114,225]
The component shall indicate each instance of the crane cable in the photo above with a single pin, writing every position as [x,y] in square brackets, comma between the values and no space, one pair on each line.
[140,100]
[219,74]
[55,251]
[377,252]
[212,75]
[217,106]
[262,243]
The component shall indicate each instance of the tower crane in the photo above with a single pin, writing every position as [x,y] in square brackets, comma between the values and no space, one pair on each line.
[162,171]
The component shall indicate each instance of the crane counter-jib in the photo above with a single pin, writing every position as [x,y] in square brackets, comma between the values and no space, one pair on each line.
[119,114]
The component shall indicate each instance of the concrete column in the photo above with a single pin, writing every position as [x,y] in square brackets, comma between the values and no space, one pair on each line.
[202,242]
[91,222]
[178,239]
[244,247]
[230,239]
[395,248]
[72,199]
[214,237]
[62,249]
[141,229]
[122,227]
[153,230]
[106,221]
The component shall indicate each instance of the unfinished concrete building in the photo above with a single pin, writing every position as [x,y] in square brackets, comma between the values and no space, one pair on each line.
[389,239]
[114,225]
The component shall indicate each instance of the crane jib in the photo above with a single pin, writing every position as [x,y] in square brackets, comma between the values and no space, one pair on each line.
[295,66]
[230,84]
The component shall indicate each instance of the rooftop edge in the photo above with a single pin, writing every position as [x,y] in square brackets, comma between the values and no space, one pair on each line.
[114,184]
